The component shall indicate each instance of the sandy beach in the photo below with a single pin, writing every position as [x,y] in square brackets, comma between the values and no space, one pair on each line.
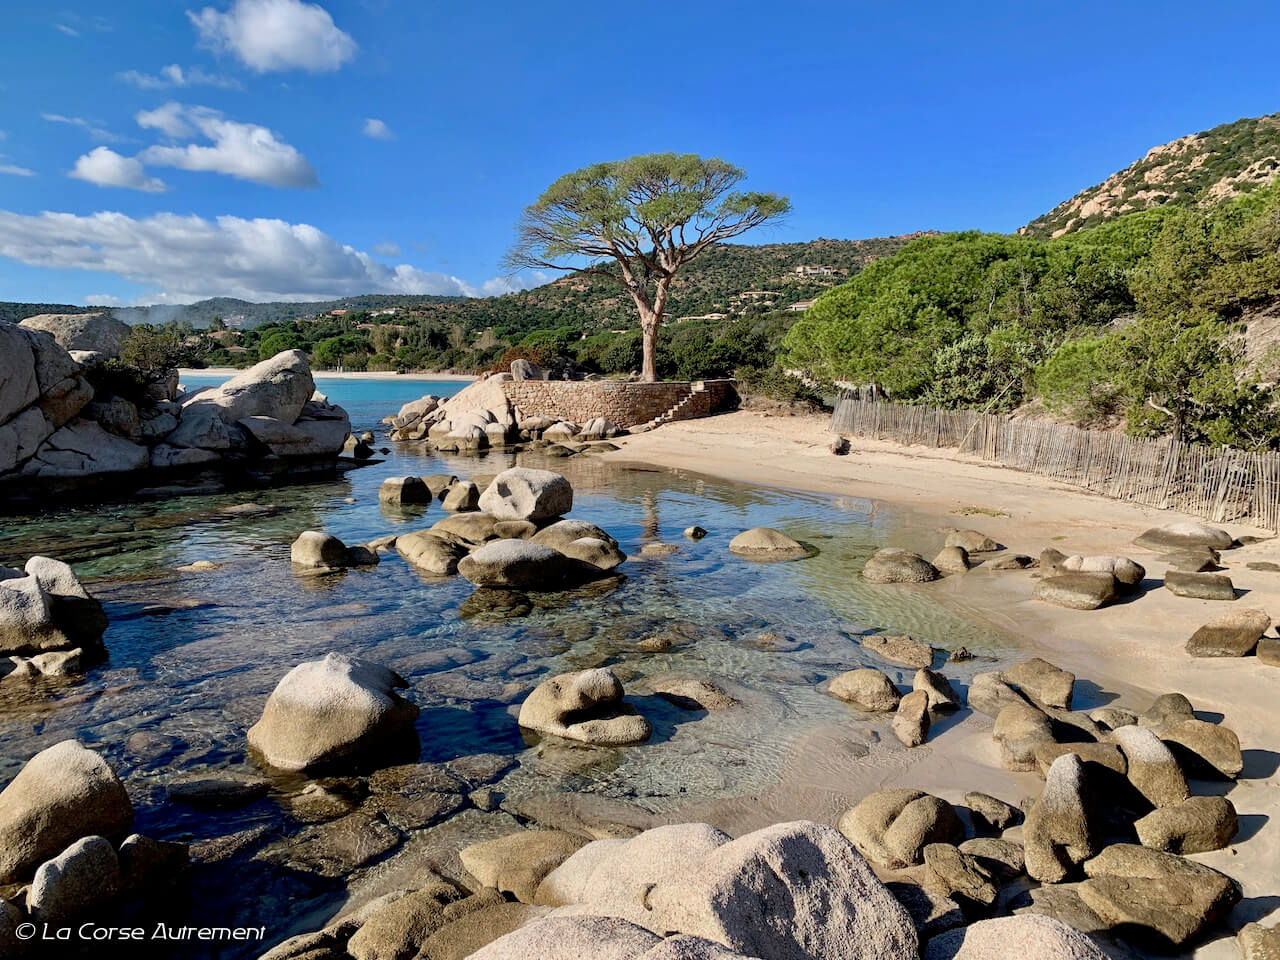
[1132,650]
[349,375]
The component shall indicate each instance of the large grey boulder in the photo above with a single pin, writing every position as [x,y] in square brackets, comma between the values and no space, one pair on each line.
[587,706]
[523,564]
[96,332]
[1233,634]
[1209,749]
[1077,591]
[560,534]
[1199,586]
[891,565]
[430,553]
[792,891]
[572,938]
[1196,825]
[1155,898]
[403,491]
[1024,937]
[613,876]
[278,387]
[522,493]
[892,827]
[1046,684]
[82,448]
[866,689]
[84,877]
[317,552]
[1059,834]
[310,437]
[1128,574]
[517,863]
[44,607]
[1152,767]
[1019,729]
[397,929]
[19,387]
[1185,534]
[63,793]
[333,712]
[911,722]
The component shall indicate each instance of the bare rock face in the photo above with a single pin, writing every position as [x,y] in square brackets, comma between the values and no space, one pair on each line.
[891,827]
[1196,825]
[1258,942]
[990,694]
[64,793]
[518,863]
[866,689]
[573,938]
[1155,898]
[278,387]
[1233,634]
[765,543]
[82,331]
[82,447]
[522,493]
[335,712]
[792,891]
[1025,937]
[1059,835]
[997,814]
[892,565]
[587,706]
[961,876]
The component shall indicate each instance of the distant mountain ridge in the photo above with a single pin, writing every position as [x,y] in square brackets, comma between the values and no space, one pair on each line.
[710,284]
[1201,168]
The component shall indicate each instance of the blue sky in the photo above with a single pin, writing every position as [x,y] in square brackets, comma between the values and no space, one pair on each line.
[164,152]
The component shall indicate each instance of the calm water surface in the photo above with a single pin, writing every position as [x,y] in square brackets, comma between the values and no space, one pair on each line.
[194,655]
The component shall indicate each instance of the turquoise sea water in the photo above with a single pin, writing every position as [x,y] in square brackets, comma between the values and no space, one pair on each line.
[193,656]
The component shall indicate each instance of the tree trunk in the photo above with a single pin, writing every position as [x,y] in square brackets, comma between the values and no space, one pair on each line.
[649,336]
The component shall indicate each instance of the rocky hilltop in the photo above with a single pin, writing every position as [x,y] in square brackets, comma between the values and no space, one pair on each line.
[1202,168]
[68,414]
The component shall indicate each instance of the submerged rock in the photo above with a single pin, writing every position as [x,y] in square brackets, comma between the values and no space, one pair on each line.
[903,650]
[523,565]
[338,711]
[587,706]
[62,794]
[765,543]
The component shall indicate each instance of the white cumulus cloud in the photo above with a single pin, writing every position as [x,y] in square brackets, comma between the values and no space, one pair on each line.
[175,76]
[243,150]
[106,168]
[376,129]
[268,35]
[185,258]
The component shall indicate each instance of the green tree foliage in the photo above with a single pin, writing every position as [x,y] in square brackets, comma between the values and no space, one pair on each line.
[157,350]
[279,342]
[638,222]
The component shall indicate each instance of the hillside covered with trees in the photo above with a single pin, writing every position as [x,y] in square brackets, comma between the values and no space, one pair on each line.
[1197,170]
[1151,318]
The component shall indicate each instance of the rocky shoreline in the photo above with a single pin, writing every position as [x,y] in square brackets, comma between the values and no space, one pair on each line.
[76,421]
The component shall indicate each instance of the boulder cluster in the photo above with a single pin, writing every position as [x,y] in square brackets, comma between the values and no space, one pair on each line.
[480,417]
[49,624]
[67,847]
[74,415]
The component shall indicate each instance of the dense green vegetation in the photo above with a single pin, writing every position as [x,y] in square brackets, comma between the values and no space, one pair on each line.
[1136,318]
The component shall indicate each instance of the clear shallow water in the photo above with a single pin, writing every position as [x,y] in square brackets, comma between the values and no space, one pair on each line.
[194,655]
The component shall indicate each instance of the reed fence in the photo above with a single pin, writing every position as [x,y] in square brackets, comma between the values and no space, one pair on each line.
[1215,483]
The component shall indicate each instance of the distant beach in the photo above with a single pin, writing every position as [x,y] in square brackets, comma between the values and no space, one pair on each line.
[348,375]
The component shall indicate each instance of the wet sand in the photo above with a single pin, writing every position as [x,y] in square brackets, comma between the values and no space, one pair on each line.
[1132,651]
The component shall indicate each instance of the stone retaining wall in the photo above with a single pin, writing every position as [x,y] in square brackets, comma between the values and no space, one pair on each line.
[626,404]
